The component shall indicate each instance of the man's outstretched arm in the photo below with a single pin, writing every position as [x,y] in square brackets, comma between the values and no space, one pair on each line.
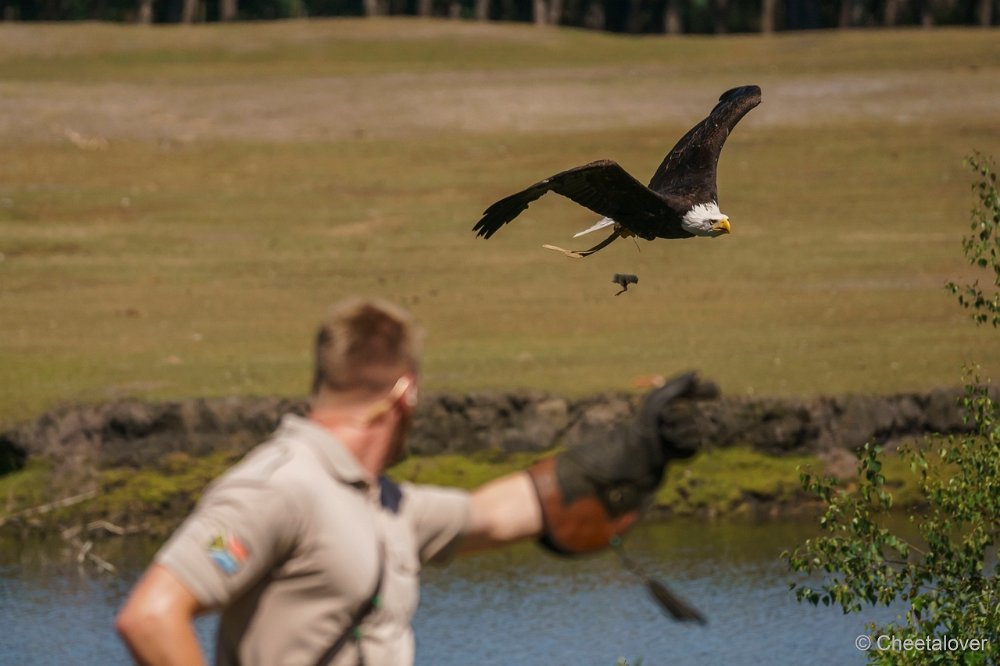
[156,621]
[582,499]
[502,511]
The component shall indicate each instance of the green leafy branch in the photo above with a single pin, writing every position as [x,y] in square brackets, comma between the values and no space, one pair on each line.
[982,247]
[948,574]
[944,579]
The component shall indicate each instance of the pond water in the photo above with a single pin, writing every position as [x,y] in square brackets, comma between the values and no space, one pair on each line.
[517,606]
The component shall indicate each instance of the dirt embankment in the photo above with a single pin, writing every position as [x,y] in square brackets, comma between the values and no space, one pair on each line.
[131,433]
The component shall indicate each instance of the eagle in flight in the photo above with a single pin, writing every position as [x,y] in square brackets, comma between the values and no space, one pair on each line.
[681,200]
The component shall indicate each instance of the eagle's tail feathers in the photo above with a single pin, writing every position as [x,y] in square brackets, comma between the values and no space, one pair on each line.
[606,222]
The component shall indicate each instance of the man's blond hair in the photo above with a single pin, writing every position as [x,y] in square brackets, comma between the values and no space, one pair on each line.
[363,347]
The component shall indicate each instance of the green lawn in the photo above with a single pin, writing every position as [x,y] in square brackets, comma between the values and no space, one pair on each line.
[178,206]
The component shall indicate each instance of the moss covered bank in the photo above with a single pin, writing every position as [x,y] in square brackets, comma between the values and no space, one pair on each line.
[143,465]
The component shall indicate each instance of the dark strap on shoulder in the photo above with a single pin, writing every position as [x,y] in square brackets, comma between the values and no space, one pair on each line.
[353,631]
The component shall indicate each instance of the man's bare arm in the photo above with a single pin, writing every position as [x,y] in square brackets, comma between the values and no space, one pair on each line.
[503,510]
[156,621]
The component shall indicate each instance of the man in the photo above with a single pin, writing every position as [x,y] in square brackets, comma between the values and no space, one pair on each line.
[313,556]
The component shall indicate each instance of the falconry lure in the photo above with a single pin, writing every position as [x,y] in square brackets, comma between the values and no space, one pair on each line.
[623,280]
[681,200]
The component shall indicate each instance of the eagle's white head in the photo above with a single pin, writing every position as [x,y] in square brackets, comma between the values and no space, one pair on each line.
[706,220]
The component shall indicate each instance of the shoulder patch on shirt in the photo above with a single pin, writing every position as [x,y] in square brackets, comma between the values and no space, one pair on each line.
[228,552]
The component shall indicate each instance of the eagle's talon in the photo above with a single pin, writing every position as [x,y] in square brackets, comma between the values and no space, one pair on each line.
[568,253]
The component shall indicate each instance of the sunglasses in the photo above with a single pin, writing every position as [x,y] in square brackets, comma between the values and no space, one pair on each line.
[404,388]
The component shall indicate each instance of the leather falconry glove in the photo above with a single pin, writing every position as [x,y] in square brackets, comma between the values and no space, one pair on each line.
[595,491]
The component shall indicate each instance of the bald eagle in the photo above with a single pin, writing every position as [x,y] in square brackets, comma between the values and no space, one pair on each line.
[681,200]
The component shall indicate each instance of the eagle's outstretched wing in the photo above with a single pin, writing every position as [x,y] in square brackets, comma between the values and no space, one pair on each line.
[689,169]
[603,187]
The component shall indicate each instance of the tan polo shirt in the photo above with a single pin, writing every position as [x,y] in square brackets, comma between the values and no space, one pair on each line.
[288,544]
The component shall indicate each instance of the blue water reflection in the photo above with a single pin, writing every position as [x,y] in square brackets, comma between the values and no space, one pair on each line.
[517,606]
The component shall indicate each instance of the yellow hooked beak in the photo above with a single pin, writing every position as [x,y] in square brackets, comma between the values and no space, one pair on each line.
[723,226]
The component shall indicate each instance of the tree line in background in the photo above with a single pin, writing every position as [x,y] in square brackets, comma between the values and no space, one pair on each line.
[628,16]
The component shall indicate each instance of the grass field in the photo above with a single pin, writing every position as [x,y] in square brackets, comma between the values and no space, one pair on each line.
[178,206]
